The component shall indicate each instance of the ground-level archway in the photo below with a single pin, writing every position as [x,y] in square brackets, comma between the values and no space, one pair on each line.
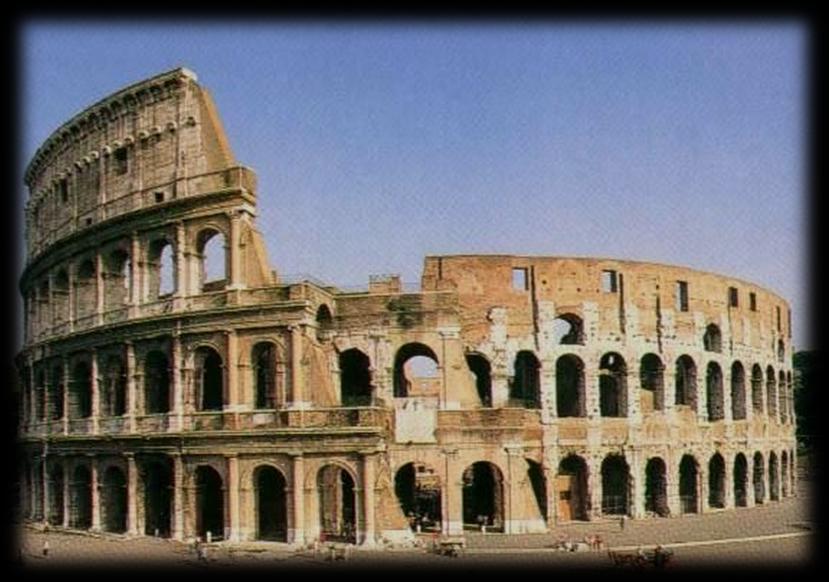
[483,496]
[656,487]
[688,485]
[114,500]
[716,482]
[571,485]
[774,478]
[55,487]
[158,497]
[210,506]
[615,485]
[271,504]
[80,514]
[417,487]
[337,504]
[740,480]
[759,479]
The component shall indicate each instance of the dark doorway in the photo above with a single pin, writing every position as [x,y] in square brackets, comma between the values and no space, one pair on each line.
[656,487]
[355,378]
[417,487]
[56,485]
[210,375]
[759,479]
[740,481]
[481,368]
[158,498]
[157,383]
[571,484]
[483,497]
[81,501]
[612,386]
[114,501]
[688,485]
[210,503]
[525,389]
[570,400]
[337,504]
[615,485]
[716,482]
[272,516]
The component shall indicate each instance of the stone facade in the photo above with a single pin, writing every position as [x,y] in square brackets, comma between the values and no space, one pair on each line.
[161,400]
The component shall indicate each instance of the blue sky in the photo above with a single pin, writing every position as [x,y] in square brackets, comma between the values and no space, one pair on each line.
[376,144]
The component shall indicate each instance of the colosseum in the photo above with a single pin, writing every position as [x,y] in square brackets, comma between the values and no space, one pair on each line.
[167,395]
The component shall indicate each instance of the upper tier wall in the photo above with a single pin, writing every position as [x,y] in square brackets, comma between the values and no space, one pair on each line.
[146,142]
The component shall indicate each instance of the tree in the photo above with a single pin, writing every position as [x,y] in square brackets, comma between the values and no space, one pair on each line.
[806,406]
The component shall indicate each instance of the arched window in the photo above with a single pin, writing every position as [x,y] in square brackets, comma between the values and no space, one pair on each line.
[652,379]
[570,393]
[160,270]
[156,383]
[56,392]
[481,369]
[738,391]
[686,382]
[712,340]
[615,485]
[325,322]
[771,393]
[60,293]
[85,300]
[115,387]
[612,385]
[210,246]
[525,389]
[210,378]
[116,279]
[757,389]
[714,392]
[416,371]
[781,351]
[263,358]
[568,329]
[80,395]
[355,378]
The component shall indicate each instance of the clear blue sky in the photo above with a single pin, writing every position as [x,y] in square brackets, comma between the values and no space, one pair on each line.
[376,144]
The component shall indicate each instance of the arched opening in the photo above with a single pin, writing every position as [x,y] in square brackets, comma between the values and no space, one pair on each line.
[37,491]
[56,393]
[114,387]
[685,379]
[783,397]
[712,339]
[85,300]
[158,497]
[790,392]
[483,497]
[210,378]
[338,504]
[156,383]
[417,487]
[355,378]
[116,279]
[688,485]
[535,475]
[263,358]
[480,367]
[568,329]
[716,481]
[160,269]
[738,391]
[56,485]
[416,371]
[714,392]
[781,351]
[80,394]
[615,485]
[784,474]
[271,504]
[571,484]
[210,246]
[771,393]
[60,295]
[80,508]
[652,379]
[325,322]
[759,478]
[612,386]
[774,478]
[210,503]
[525,385]
[740,480]
[114,500]
[40,396]
[656,487]
[757,389]
[570,392]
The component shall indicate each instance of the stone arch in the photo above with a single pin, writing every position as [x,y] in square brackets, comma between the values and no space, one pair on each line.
[355,378]
[269,485]
[716,481]
[738,391]
[117,278]
[652,381]
[114,393]
[266,378]
[157,380]
[80,503]
[406,378]
[418,490]
[688,484]
[712,339]
[771,393]
[325,322]
[80,390]
[615,485]
[783,397]
[212,260]
[784,474]
[337,502]
[480,367]
[759,479]
[538,482]
[571,397]
[157,474]
[85,293]
[656,487]
[757,389]
[740,480]
[209,375]
[525,384]
[60,295]
[483,496]
[714,392]
[685,379]
[572,487]
[774,477]
[55,483]
[160,269]
[568,329]
[613,385]
[210,502]
[113,500]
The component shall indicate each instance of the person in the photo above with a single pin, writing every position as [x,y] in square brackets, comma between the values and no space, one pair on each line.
[622,522]
[45,548]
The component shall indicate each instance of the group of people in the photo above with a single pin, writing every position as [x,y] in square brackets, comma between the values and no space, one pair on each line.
[589,542]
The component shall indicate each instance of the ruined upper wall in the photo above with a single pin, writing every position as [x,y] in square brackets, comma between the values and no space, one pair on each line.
[143,145]
[643,303]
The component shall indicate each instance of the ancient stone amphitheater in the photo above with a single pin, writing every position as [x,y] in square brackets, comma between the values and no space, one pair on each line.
[167,393]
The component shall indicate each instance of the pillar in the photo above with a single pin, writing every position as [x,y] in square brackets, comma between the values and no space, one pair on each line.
[96,391]
[70,279]
[233,497]
[132,495]
[178,385]
[66,379]
[728,477]
[297,534]
[99,289]
[368,499]
[512,497]
[451,496]
[632,388]
[181,266]
[594,486]
[135,274]
[96,495]
[234,400]
[131,389]
[297,389]
[500,386]
[178,497]
[233,251]
[549,398]
[66,492]
[45,485]
[637,474]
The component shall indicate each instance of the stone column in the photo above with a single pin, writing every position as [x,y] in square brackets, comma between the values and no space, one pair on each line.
[634,406]
[234,401]
[637,473]
[500,386]
[452,510]
[297,536]
[728,477]
[672,485]
[66,378]
[180,267]
[591,389]
[99,289]
[233,497]
[66,493]
[44,473]
[512,519]
[70,279]
[135,274]
[132,495]
[96,495]
[549,398]
[178,497]
[297,388]
[728,405]
[594,486]
[178,387]
[551,491]
[368,499]
[132,402]
[96,392]
[232,251]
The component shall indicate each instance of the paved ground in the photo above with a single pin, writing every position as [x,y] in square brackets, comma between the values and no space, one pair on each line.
[779,534]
